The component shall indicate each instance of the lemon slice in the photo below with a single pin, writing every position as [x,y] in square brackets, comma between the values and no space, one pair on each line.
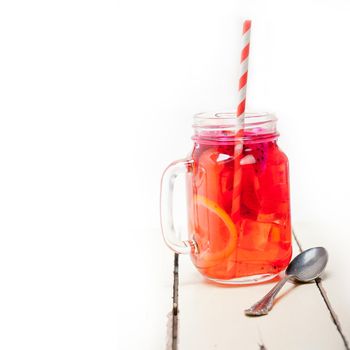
[208,258]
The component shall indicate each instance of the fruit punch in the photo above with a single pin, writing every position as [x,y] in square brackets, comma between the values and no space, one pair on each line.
[256,240]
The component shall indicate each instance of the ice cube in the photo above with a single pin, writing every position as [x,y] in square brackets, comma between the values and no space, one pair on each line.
[250,191]
[275,233]
[248,159]
[254,235]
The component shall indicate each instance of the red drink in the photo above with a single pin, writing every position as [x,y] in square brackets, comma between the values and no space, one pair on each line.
[257,241]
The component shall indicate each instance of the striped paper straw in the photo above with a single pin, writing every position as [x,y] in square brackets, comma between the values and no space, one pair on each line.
[242,91]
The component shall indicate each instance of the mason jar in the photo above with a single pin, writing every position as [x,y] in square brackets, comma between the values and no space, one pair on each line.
[238,199]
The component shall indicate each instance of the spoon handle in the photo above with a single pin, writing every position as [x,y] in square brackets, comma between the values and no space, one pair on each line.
[264,305]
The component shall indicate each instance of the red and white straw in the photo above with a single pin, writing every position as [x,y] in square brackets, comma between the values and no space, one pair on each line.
[242,88]
[242,92]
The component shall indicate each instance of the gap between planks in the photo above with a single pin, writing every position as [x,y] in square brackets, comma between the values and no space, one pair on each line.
[172,340]
[326,300]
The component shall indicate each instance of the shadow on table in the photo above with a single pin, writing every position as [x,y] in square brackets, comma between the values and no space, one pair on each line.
[221,285]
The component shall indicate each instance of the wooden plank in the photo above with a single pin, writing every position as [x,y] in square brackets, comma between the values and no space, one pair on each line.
[107,289]
[211,316]
[335,285]
[147,320]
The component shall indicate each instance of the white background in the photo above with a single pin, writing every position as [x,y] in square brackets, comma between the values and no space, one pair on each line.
[96,98]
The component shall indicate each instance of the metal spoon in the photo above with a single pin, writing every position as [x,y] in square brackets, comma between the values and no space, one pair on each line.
[305,267]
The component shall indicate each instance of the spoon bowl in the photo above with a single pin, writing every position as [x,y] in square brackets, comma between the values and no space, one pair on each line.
[308,265]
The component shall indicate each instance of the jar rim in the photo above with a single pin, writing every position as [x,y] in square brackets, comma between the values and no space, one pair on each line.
[225,127]
[229,119]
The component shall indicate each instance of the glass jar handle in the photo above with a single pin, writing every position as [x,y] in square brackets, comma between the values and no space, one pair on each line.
[171,237]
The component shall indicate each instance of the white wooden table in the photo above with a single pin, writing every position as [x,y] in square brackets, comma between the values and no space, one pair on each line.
[211,316]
